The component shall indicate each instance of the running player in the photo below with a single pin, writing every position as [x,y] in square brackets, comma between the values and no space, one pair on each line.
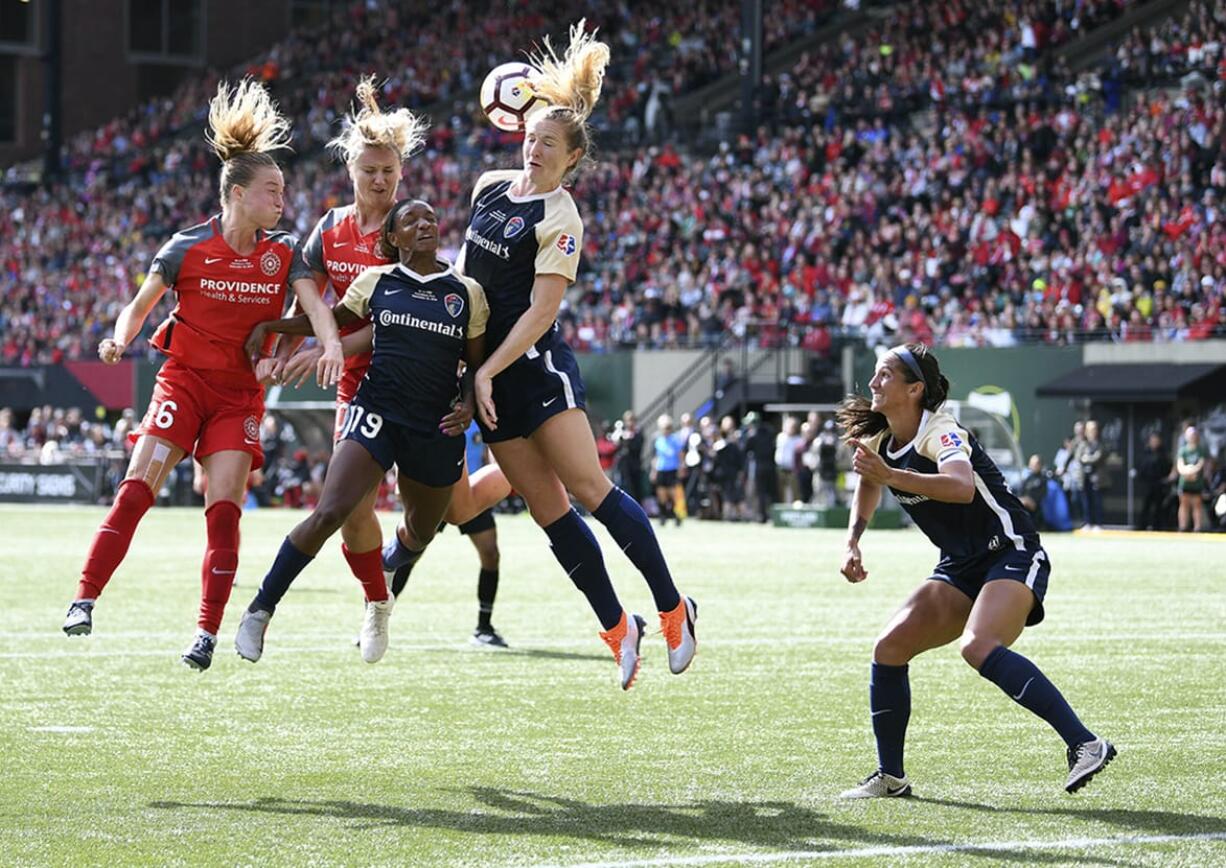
[345,242]
[229,273]
[426,318]
[989,583]
[522,245]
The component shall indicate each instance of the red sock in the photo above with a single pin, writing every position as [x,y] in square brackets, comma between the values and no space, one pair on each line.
[220,562]
[368,569]
[112,539]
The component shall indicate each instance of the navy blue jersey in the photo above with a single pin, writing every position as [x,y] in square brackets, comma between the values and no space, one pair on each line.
[511,239]
[421,325]
[994,521]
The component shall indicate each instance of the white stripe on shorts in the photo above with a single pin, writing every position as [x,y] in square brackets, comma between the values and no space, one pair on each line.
[1034,568]
[566,389]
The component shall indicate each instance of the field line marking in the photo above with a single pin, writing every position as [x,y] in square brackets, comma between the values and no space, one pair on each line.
[904,850]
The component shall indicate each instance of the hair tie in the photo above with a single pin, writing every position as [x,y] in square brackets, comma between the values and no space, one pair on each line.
[908,359]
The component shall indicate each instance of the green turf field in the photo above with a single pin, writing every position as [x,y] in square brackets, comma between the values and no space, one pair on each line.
[112,752]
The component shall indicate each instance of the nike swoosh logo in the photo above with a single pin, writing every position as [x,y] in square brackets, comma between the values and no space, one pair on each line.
[392,291]
[572,570]
[340,244]
[1023,690]
[550,401]
[1016,569]
[209,260]
[218,572]
[251,442]
[894,791]
[458,463]
[883,711]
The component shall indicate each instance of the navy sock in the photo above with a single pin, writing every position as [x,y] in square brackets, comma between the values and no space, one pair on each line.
[575,547]
[487,589]
[399,560]
[1029,688]
[631,529]
[889,702]
[289,563]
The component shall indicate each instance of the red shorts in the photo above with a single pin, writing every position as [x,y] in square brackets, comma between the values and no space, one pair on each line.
[192,411]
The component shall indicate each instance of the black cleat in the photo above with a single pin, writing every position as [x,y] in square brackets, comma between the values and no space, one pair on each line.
[199,655]
[487,637]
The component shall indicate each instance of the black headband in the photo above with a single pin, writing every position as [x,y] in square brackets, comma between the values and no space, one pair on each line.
[908,359]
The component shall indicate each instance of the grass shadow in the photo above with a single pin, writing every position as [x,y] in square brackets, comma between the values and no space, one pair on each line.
[765,825]
[1138,822]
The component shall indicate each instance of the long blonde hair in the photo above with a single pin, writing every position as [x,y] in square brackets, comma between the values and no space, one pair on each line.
[572,83]
[369,126]
[245,126]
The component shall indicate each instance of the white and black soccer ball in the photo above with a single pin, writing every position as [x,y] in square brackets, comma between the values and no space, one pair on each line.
[508,97]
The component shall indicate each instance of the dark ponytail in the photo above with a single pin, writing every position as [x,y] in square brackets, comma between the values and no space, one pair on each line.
[854,413]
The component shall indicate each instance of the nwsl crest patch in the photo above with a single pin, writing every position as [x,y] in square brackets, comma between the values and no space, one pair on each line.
[951,440]
[567,244]
[453,303]
[514,226]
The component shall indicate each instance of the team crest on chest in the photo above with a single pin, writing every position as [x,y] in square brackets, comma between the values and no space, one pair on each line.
[454,304]
[270,263]
[514,226]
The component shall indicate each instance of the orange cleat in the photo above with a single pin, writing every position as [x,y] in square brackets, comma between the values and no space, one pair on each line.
[624,641]
[678,629]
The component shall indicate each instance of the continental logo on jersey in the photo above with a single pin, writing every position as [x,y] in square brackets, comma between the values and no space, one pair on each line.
[499,250]
[451,330]
[270,263]
[453,303]
[567,244]
[910,499]
[242,286]
[951,440]
[514,226]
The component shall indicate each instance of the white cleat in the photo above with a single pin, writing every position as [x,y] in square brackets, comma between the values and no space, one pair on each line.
[879,785]
[1086,760]
[373,638]
[249,638]
[678,629]
[80,618]
[624,641]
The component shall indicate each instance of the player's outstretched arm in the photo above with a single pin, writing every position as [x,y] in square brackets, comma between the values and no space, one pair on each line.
[953,483]
[295,325]
[863,505]
[332,360]
[132,319]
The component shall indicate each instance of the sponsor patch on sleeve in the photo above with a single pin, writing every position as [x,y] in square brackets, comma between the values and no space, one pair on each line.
[951,441]
[567,244]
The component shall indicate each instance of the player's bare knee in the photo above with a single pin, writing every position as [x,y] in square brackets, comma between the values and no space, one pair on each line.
[893,648]
[975,648]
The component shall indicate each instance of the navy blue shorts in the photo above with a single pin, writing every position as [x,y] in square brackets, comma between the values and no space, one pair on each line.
[537,386]
[435,460]
[1031,567]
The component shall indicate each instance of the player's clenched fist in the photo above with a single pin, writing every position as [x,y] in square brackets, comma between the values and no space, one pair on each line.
[110,351]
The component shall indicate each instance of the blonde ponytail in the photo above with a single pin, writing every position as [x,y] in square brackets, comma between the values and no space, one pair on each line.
[574,80]
[244,128]
[369,126]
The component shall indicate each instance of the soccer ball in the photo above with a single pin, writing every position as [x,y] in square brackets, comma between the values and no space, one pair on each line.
[508,97]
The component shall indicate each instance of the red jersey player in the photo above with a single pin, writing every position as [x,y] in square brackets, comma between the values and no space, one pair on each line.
[343,244]
[229,273]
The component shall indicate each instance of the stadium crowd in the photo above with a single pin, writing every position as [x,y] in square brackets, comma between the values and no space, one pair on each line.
[1042,212]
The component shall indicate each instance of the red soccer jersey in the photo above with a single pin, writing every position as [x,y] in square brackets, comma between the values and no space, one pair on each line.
[337,249]
[222,296]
